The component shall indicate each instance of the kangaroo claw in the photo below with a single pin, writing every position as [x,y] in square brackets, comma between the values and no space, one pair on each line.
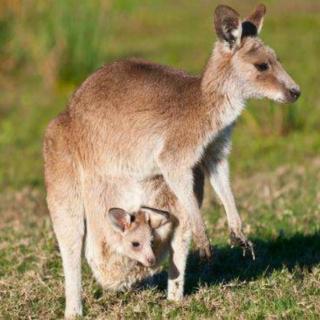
[205,253]
[240,239]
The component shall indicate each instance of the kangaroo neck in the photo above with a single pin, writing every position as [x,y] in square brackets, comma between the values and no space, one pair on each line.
[221,92]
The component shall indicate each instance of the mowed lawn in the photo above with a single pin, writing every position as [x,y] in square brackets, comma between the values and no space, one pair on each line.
[275,164]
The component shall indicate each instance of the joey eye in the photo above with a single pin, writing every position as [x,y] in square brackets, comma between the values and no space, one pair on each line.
[262,66]
[135,244]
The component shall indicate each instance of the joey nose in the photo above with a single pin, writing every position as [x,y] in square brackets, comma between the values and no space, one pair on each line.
[151,261]
[294,94]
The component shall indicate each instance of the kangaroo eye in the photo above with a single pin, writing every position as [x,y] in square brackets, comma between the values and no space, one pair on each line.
[135,244]
[262,66]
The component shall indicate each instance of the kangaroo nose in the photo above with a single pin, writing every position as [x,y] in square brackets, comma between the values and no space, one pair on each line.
[294,93]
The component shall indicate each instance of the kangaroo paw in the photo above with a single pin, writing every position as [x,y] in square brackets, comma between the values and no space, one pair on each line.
[205,253]
[239,239]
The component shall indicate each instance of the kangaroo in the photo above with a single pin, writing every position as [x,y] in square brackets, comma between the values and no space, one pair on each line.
[138,119]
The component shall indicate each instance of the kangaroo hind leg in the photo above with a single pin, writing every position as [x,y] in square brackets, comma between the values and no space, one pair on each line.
[66,210]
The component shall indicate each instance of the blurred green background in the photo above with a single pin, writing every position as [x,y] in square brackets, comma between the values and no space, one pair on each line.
[48,47]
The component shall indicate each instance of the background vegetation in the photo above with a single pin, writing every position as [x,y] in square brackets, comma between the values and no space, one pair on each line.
[48,47]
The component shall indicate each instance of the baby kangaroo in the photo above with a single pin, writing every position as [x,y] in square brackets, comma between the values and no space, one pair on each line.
[139,119]
[132,248]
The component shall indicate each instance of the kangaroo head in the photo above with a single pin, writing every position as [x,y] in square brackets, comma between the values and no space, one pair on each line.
[253,68]
[135,232]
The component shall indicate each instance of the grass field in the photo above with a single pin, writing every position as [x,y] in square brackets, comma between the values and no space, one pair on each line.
[48,48]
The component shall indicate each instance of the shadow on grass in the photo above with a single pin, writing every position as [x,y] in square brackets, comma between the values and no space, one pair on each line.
[297,252]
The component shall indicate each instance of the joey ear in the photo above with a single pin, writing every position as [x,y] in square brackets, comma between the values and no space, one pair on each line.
[252,25]
[228,25]
[156,217]
[120,219]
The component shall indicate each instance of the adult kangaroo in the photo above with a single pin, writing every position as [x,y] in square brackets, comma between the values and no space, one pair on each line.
[138,119]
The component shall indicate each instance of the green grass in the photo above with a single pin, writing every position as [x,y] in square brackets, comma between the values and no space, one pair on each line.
[280,209]
[46,52]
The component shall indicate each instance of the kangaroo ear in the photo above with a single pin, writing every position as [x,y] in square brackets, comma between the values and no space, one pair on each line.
[156,218]
[120,219]
[252,25]
[228,25]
